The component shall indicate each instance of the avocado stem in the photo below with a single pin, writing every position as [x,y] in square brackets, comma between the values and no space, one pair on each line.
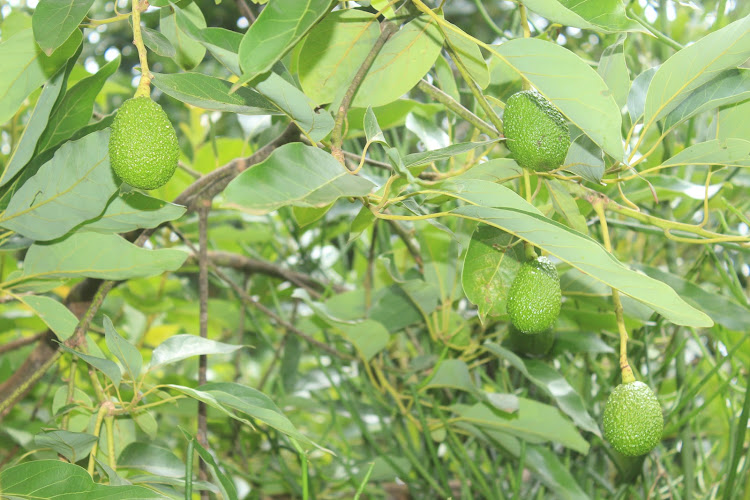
[144,85]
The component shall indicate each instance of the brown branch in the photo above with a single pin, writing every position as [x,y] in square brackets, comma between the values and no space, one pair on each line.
[249,265]
[245,11]
[17,344]
[337,139]
[203,209]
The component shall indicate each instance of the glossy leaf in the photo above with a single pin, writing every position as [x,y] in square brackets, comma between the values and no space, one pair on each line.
[490,266]
[26,68]
[133,210]
[54,21]
[179,347]
[333,51]
[54,479]
[294,174]
[590,257]
[534,422]
[36,126]
[80,255]
[189,52]
[731,152]
[128,355]
[74,186]
[74,111]
[74,446]
[404,59]
[278,28]
[212,93]
[55,315]
[598,15]
[695,65]
[107,367]
[572,85]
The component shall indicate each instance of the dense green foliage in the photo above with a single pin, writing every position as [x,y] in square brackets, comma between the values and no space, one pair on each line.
[328,276]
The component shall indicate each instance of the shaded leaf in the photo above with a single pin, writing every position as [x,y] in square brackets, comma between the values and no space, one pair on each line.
[107,367]
[157,42]
[469,54]
[74,186]
[55,315]
[54,21]
[189,52]
[128,355]
[133,210]
[151,458]
[572,85]
[80,255]
[294,174]
[74,446]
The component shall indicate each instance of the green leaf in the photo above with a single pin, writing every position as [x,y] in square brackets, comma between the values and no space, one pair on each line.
[53,480]
[722,309]
[179,347]
[228,490]
[37,124]
[128,355]
[81,255]
[695,65]
[565,205]
[55,315]
[291,101]
[598,15]
[151,458]
[585,158]
[74,186]
[74,111]
[589,257]
[212,93]
[133,210]
[333,51]
[107,367]
[729,87]
[189,52]
[637,94]
[730,152]
[553,384]
[158,43]
[54,21]
[26,67]
[404,59]
[568,341]
[74,446]
[490,265]
[614,71]
[469,54]
[572,85]
[278,28]
[427,157]
[372,128]
[223,44]
[484,193]
[534,422]
[452,373]
[369,337]
[294,174]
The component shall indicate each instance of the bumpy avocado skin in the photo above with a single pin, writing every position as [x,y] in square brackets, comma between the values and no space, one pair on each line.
[143,147]
[536,132]
[531,345]
[534,296]
[633,420]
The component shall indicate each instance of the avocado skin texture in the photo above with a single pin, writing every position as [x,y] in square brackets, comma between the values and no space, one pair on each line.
[143,146]
[536,131]
[633,421]
[534,296]
[532,345]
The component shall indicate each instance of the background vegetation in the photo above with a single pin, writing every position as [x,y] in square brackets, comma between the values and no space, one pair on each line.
[304,329]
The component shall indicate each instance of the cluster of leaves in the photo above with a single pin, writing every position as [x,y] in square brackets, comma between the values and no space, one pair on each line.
[361,244]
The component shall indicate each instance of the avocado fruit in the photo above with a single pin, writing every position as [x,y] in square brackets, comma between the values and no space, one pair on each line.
[633,420]
[534,297]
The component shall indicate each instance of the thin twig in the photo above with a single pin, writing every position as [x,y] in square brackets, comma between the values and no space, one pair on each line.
[17,344]
[457,108]
[337,138]
[245,11]
[202,436]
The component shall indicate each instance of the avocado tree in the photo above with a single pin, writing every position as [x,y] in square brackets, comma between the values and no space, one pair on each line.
[377,249]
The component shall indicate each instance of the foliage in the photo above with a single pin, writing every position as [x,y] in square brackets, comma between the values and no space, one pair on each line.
[315,305]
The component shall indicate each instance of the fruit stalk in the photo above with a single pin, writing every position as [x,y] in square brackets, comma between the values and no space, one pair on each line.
[144,85]
[627,372]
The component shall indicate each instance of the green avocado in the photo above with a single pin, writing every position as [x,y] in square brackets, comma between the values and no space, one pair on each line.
[535,131]
[533,345]
[633,421]
[534,296]
[143,146]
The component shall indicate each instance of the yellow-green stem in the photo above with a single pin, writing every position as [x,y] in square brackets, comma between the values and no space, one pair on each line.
[528,247]
[109,420]
[104,410]
[144,85]
[627,372]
